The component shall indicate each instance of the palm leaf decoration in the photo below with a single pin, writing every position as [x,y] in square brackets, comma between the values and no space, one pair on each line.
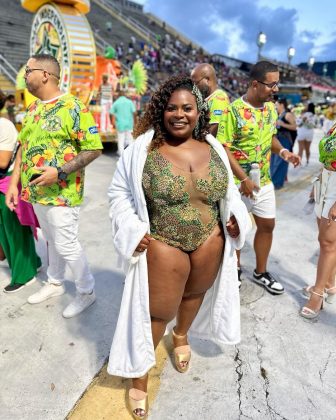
[138,77]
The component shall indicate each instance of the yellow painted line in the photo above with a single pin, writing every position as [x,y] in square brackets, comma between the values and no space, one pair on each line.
[292,187]
[106,397]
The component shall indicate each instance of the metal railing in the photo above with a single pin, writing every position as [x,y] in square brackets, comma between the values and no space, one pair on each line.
[7,69]
[147,34]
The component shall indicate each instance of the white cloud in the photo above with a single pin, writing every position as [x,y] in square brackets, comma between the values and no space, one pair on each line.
[231,32]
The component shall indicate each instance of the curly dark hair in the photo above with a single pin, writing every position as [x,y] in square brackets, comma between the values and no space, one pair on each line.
[153,117]
[3,99]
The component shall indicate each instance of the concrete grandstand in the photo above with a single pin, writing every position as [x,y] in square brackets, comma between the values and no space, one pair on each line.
[135,34]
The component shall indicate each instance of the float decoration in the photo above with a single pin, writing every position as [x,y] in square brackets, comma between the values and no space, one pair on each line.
[83,6]
[138,77]
[110,52]
[61,29]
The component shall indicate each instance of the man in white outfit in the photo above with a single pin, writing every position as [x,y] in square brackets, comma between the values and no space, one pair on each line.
[58,139]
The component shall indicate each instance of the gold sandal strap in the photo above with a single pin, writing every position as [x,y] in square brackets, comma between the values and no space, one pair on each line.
[178,336]
[182,349]
[137,400]
[137,394]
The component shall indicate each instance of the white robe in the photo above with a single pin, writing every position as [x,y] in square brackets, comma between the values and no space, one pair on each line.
[132,350]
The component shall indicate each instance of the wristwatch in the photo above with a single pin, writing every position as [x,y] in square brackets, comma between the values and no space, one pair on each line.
[61,175]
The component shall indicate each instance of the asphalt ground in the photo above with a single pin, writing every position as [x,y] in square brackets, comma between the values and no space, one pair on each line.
[284,367]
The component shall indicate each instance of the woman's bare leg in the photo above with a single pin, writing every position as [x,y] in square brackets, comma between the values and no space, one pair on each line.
[301,148]
[205,262]
[332,282]
[326,262]
[307,145]
[168,271]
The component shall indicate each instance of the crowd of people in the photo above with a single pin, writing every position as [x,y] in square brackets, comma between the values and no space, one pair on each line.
[173,56]
[179,204]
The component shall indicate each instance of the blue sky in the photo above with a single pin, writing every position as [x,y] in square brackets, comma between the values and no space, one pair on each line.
[230,27]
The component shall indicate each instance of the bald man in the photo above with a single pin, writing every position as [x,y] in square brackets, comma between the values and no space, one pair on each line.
[204,77]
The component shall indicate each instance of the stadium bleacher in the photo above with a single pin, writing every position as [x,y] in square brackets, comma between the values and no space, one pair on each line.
[15,27]
[124,24]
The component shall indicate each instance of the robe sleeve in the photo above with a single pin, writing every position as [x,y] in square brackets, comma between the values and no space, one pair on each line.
[234,206]
[127,227]
[239,211]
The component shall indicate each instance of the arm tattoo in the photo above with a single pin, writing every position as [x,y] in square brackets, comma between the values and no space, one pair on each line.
[80,161]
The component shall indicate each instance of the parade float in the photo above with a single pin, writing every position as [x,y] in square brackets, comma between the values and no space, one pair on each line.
[60,28]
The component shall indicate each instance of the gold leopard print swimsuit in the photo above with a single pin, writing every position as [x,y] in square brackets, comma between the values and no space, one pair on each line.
[183,206]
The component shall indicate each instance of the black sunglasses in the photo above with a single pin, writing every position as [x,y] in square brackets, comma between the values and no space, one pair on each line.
[269,85]
[196,83]
[28,70]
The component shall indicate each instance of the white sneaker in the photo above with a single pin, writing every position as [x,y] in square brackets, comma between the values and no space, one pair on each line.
[79,304]
[48,291]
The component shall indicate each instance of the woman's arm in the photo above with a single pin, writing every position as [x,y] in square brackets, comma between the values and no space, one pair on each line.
[5,158]
[292,123]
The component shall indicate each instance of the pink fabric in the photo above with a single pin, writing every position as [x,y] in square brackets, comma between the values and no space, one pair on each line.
[24,210]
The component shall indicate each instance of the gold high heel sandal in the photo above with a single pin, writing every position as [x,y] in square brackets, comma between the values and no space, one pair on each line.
[182,355]
[308,313]
[138,401]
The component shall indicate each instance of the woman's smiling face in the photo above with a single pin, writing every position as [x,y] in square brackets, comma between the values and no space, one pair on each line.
[181,115]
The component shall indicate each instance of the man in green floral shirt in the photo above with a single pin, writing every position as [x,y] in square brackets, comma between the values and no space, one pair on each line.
[249,131]
[58,139]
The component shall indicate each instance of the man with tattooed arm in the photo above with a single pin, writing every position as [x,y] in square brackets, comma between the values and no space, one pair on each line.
[59,138]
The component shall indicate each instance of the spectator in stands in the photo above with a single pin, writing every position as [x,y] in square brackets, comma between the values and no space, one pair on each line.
[16,236]
[123,118]
[306,124]
[120,50]
[108,26]
[167,40]
[249,129]
[58,139]
[131,46]
[286,126]
[105,96]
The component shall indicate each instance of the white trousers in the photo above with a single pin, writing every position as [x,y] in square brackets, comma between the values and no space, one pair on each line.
[60,228]
[105,123]
[125,138]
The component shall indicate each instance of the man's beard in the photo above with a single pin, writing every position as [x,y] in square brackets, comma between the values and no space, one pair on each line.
[205,91]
